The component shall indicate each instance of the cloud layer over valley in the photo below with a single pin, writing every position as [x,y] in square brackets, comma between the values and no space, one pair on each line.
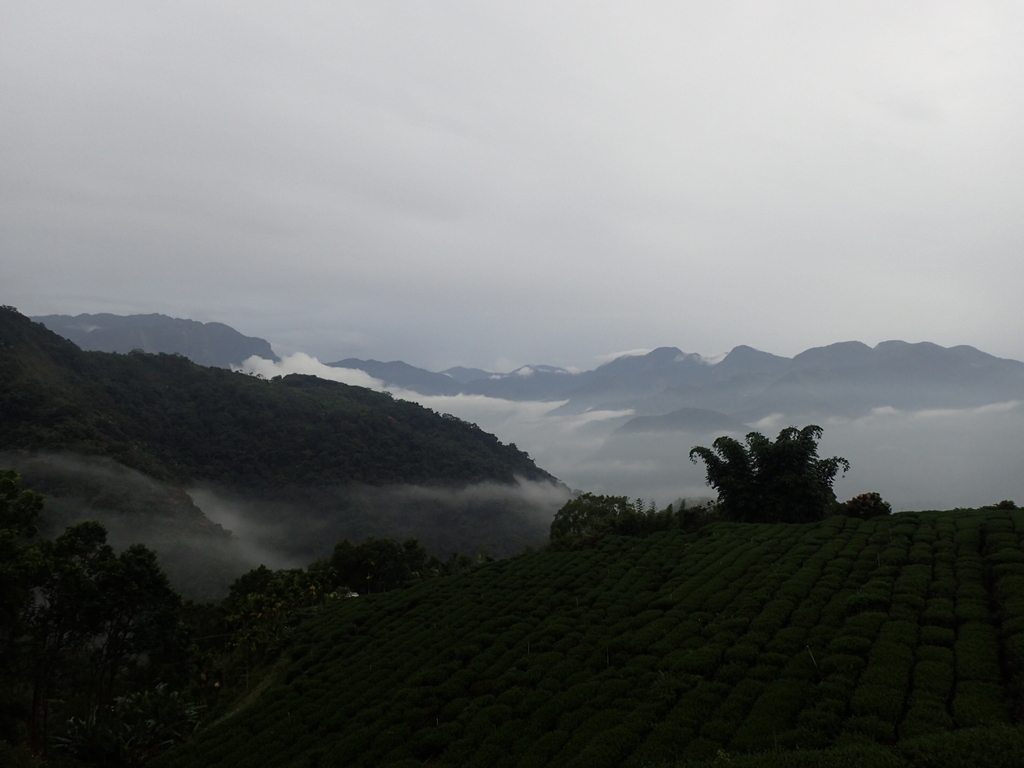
[207,537]
[917,459]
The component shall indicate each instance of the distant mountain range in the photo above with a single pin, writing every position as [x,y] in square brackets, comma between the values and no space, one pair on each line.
[211,344]
[667,389]
[670,389]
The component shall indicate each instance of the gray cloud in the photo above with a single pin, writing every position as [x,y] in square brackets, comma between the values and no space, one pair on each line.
[465,183]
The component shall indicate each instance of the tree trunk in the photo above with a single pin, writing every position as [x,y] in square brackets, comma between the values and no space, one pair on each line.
[37,721]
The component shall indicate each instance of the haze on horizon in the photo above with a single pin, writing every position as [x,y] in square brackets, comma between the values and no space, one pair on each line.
[498,185]
[921,459]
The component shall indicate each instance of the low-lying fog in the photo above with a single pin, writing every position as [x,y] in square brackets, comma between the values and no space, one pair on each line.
[207,537]
[933,459]
[489,518]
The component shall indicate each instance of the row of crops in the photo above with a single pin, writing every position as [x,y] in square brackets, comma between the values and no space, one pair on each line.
[739,639]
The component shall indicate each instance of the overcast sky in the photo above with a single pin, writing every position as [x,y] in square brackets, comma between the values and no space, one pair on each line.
[495,184]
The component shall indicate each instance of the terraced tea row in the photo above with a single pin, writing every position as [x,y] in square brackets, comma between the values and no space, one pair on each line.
[743,638]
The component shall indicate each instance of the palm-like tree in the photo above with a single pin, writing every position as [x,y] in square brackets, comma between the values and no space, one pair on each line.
[763,481]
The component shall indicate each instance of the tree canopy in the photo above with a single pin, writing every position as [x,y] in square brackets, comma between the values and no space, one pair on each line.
[588,513]
[777,482]
[175,420]
[583,520]
[75,617]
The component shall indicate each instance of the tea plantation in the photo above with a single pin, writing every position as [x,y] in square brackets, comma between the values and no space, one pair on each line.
[896,641]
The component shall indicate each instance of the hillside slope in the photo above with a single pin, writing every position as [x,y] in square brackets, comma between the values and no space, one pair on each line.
[881,642]
[180,421]
[290,465]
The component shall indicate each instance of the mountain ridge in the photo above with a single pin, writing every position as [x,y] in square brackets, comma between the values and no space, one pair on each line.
[847,378]
[211,344]
[298,462]
[160,413]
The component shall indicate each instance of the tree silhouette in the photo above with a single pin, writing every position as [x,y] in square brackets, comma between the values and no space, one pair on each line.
[588,513]
[777,482]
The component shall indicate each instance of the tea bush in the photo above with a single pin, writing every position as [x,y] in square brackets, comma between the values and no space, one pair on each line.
[667,648]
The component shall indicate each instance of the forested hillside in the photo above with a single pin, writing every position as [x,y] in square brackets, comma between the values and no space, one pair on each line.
[291,465]
[895,641]
[179,421]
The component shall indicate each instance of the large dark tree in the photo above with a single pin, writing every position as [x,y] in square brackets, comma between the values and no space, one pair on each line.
[75,617]
[377,565]
[93,616]
[587,514]
[19,511]
[777,482]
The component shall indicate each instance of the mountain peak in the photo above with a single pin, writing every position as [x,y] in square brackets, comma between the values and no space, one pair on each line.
[840,354]
[743,360]
[465,375]
[662,357]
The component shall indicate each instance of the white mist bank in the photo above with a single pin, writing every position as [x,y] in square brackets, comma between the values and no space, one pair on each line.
[928,459]
[300,362]
[489,518]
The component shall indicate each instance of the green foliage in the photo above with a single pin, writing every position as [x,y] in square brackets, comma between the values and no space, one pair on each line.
[93,616]
[80,621]
[865,506]
[262,608]
[133,728]
[637,651]
[19,511]
[176,420]
[379,565]
[779,482]
[1004,504]
[583,520]
[588,514]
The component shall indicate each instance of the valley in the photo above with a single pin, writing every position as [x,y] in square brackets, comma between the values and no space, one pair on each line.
[445,628]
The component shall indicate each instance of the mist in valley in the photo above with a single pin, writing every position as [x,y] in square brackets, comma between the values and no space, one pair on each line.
[932,459]
[206,536]
[305,523]
[917,459]
[200,557]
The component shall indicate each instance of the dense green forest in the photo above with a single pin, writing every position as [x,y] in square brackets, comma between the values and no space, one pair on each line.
[182,422]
